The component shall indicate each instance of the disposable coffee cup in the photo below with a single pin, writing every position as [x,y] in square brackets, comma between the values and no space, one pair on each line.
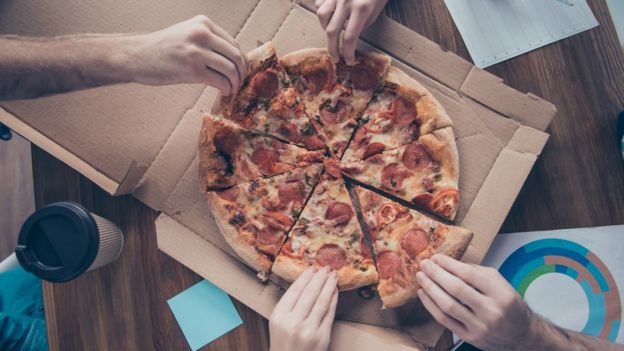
[63,240]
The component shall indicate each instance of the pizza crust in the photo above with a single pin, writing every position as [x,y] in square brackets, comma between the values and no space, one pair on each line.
[258,59]
[428,107]
[443,148]
[310,57]
[259,262]
[289,269]
[400,297]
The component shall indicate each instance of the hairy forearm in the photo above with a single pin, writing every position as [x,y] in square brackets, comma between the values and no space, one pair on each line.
[547,336]
[33,67]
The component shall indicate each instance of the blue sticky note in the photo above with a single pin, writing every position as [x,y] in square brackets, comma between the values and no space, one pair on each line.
[204,313]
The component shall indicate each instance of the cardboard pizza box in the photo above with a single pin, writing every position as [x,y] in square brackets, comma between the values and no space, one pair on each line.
[142,140]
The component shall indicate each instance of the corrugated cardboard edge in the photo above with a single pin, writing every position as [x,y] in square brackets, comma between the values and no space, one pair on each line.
[186,247]
[59,152]
[523,148]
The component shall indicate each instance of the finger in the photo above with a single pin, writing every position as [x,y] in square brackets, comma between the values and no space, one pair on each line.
[466,272]
[217,80]
[318,3]
[310,294]
[227,37]
[352,33]
[233,54]
[325,11]
[333,30]
[454,286]
[445,302]
[290,297]
[224,66]
[454,325]
[374,15]
[319,310]
[328,320]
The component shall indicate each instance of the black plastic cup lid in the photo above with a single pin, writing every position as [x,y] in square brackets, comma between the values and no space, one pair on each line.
[58,242]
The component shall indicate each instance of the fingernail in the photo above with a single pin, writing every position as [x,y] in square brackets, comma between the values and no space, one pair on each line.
[425,264]
[420,276]
[436,258]
[334,274]
[325,269]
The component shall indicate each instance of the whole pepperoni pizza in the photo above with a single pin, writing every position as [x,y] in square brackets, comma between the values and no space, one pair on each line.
[313,163]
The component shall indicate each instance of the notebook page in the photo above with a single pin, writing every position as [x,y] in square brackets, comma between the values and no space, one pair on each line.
[497,30]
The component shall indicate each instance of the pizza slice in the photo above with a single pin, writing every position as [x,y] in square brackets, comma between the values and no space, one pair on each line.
[335,95]
[328,234]
[269,104]
[255,217]
[424,172]
[229,155]
[398,115]
[401,239]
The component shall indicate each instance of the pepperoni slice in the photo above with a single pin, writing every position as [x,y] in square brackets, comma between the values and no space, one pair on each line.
[339,212]
[392,176]
[291,191]
[414,241]
[416,157]
[363,77]
[333,114]
[331,255]
[445,202]
[226,141]
[373,149]
[228,194]
[423,200]
[265,159]
[332,167]
[312,142]
[265,84]
[278,220]
[317,79]
[289,131]
[403,111]
[388,264]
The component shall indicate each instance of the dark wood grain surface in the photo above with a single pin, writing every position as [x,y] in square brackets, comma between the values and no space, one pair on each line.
[578,181]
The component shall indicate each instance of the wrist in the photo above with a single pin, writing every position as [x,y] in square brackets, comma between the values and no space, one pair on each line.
[122,61]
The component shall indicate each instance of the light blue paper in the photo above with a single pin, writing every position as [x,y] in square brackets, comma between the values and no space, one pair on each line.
[204,313]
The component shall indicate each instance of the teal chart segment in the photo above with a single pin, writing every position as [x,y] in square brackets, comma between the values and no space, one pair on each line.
[560,256]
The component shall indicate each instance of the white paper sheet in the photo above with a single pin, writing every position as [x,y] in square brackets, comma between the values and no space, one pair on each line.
[573,277]
[497,30]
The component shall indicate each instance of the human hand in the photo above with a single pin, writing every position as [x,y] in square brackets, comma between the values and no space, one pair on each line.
[476,303]
[303,318]
[193,51]
[351,15]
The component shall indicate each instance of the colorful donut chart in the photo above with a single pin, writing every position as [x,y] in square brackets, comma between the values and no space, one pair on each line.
[540,257]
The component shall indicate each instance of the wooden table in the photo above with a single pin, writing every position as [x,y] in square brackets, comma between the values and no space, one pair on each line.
[578,182]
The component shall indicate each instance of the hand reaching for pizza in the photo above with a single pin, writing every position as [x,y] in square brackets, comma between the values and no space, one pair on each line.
[476,303]
[193,51]
[351,15]
[303,318]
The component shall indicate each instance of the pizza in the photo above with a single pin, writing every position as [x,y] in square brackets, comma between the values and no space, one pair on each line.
[400,112]
[401,239]
[230,154]
[255,217]
[424,172]
[335,95]
[277,162]
[268,103]
[328,234]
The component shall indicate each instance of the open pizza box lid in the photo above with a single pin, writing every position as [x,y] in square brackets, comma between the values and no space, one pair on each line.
[142,140]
